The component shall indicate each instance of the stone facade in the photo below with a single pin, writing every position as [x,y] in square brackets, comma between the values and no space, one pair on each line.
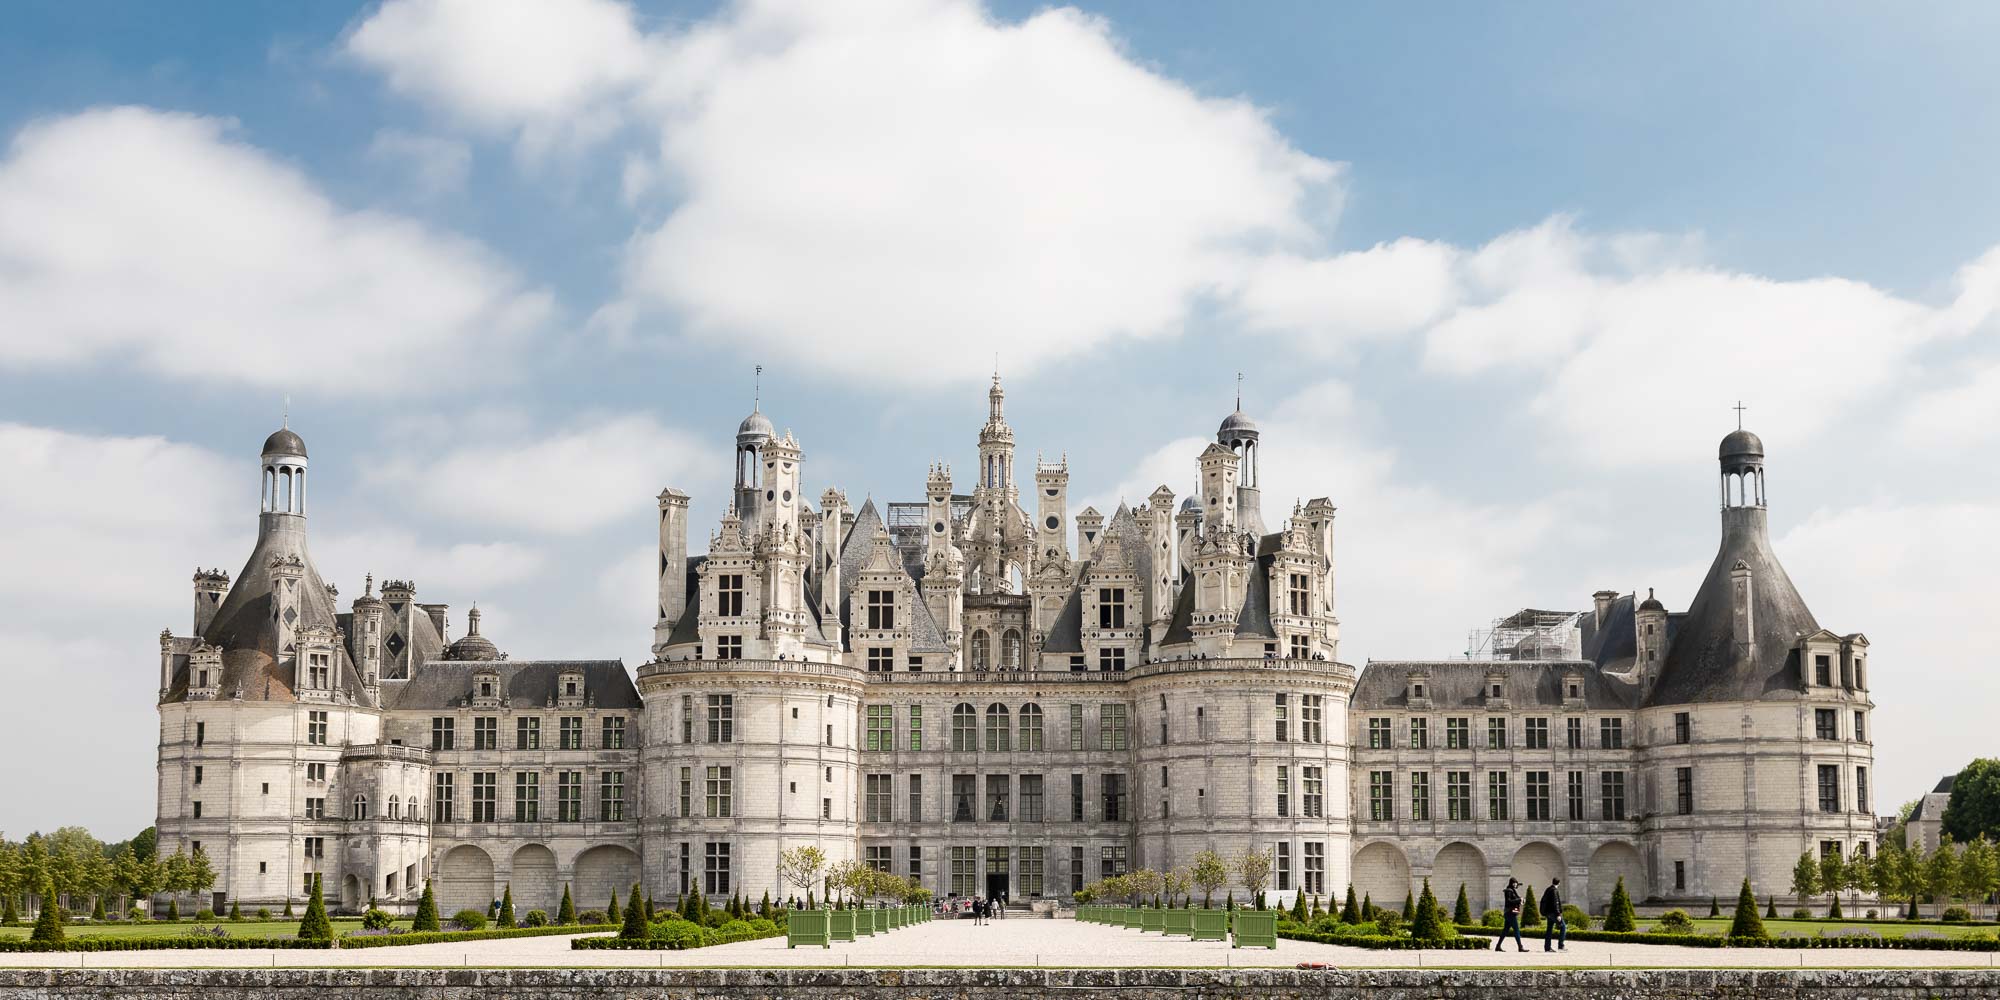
[1000,703]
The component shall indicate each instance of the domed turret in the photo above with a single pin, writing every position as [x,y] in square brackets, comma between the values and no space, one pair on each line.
[1740,443]
[1651,603]
[1236,427]
[755,429]
[472,646]
[284,442]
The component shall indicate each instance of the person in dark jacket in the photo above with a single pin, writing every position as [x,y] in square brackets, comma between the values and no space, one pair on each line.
[1512,909]
[1552,906]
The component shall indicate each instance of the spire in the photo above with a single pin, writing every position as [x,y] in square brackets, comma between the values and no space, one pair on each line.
[1239,392]
[757,390]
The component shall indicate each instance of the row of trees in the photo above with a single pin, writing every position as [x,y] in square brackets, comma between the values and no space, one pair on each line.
[1969,872]
[1209,871]
[76,866]
[806,867]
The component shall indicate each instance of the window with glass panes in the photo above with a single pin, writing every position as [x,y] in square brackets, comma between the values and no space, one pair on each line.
[1111,861]
[716,864]
[1111,733]
[881,733]
[1458,734]
[997,797]
[1496,795]
[964,728]
[1683,727]
[441,732]
[1684,790]
[315,728]
[1829,788]
[916,727]
[1824,726]
[1282,712]
[613,732]
[728,647]
[1031,728]
[1861,792]
[878,798]
[1031,798]
[1315,871]
[729,595]
[963,790]
[1113,786]
[687,792]
[1111,607]
[527,796]
[964,871]
[1420,734]
[1575,790]
[1076,727]
[881,609]
[881,659]
[1575,730]
[527,733]
[1420,795]
[1284,790]
[1860,728]
[569,796]
[1611,790]
[879,858]
[916,798]
[485,795]
[1535,734]
[1611,734]
[571,733]
[999,738]
[1381,795]
[611,796]
[1110,659]
[441,796]
[1030,868]
[1281,856]
[1458,795]
[1309,717]
[1496,734]
[1312,797]
[722,718]
[720,789]
[1536,785]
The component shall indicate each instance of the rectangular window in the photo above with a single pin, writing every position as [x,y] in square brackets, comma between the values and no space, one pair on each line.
[1282,855]
[916,798]
[1824,725]
[1381,796]
[881,659]
[1496,795]
[316,849]
[916,863]
[485,796]
[997,797]
[1076,727]
[1420,734]
[197,774]
[881,731]
[1315,867]
[1076,798]
[728,647]
[687,792]
[200,732]
[1296,591]
[722,718]
[1114,798]
[1860,789]
[1829,788]
[1575,790]
[1537,787]
[1458,734]
[527,733]
[1111,861]
[441,732]
[1030,870]
[963,790]
[316,773]
[1822,670]
[729,595]
[1031,798]
[1309,718]
[441,796]
[1496,734]
[486,733]
[1110,659]
[1611,792]
[569,796]
[1312,797]
[315,808]
[527,797]
[316,728]
[1282,713]
[1683,728]
[1284,790]
[879,858]
[687,718]
[614,732]
[1860,728]
[1535,734]
[916,728]
[1611,734]
[719,791]
[611,797]
[826,808]
[1075,869]
[882,609]
[965,871]
[1420,795]
[319,671]
[717,873]
[1458,795]
[687,872]
[1301,647]
[1111,607]
[1575,727]
[571,734]
[1684,790]
[1111,733]
[1680,875]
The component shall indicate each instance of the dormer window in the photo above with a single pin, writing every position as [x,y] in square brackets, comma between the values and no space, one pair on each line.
[569,689]
[1419,691]
[486,689]
[1496,690]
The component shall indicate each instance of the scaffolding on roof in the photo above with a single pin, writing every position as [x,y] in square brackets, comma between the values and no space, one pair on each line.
[1528,634]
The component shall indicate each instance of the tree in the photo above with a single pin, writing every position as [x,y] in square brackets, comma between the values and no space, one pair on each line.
[1531,915]
[1974,808]
[1177,883]
[48,926]
[1941,873]
[1978,871]
[1889,879]
[1144,882]
[314,926]
[506,907]
[1253,869]
[201,874]
[1832,879]
[427,910]
[1621,917]
[611,910]
[1209,874]
[1299,908]
[565,913]
[1350,913]
[1747,924]
[146,844]
[764,905]
[1424,923]
[1461,911]
[1805,878]
[634,928]
[801,866]
[1860,873]
[174,878]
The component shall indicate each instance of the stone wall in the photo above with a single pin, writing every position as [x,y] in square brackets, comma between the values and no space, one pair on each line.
[992,984]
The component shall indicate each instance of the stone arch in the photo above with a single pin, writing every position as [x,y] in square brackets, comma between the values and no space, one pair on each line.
[1535,864]
[1607,864]
[1460,863]
[979,649]
[997,729]
[465,880]
[1382,872]
[599,871]
[534,880]
[353,896]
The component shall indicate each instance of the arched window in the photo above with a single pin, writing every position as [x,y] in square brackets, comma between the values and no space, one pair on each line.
[1010,650]
[964,728]
[394,803]
[412,811]
[1031,728]
[979,641]
[360,810]
[997,735]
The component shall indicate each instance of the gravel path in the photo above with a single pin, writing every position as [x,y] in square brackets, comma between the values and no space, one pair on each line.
[1018,942]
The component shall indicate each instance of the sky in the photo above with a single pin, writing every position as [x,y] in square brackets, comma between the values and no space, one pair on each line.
[1494,278]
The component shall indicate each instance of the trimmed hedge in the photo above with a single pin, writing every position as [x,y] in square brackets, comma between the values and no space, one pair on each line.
[439,937]
[1718,941]
[661,940]
[158,944]
[1381,942]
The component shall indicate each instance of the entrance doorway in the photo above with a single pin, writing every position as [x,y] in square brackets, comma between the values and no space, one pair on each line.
[996,885]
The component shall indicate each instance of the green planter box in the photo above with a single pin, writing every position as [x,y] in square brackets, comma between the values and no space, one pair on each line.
[1256,929]
[1210,925]
[840,925]
[1180,922]
[864,923]
[898,917]
[1135,917]
[807,927]
[1151,919]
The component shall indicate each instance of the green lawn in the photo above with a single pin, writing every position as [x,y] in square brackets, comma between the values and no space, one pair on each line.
[1886,928]
[131,929]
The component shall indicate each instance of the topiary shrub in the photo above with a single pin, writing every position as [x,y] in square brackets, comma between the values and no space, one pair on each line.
[1675,922]
[48,926]
[1801,913]
[1833,911]
[1621,917]
[1714,907]
[469,920]
[1493,918]
[536,918]
[173,909]
[204,914]
[288,908]
[566,913]
[1747,924]
[377,919]
[1574,916]
[1956,914]
[1388,922]
[680,934]
[507,907]
[591,917]
[314,926]
[97,907]
[1771,909]
[263,913]
[1872,914]
[427,912]
[1461,912]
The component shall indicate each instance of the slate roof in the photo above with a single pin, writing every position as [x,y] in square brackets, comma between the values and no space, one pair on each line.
[1462,683]
[1704,663]
[527,683]
[1066,632]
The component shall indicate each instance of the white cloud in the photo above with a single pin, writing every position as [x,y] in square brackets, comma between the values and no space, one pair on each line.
[1388,290]
[905,179]
[151,239]
[433,164]
[565,482]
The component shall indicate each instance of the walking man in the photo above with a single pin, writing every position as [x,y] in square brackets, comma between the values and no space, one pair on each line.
[1512,909]
[1552,905]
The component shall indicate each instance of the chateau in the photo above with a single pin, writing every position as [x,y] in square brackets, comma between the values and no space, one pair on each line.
[996,695]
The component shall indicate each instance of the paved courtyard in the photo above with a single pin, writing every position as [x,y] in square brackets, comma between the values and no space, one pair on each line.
[1018,942]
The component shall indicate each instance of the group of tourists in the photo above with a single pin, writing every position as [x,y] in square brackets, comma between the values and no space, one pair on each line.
[1555,937]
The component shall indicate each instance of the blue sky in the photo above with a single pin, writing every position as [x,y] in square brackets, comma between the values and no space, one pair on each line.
[1493,277]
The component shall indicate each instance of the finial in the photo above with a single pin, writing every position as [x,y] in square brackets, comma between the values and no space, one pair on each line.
[287,422]
[1739,414]
[1239,392]
[368,587]
[757,389]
